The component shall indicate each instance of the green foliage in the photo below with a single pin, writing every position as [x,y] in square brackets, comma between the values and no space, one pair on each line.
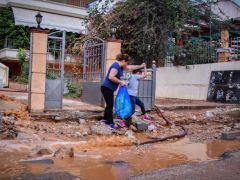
[22,57]
[144,25]
[51,75]
[19,34]
[21,80]
[74,91]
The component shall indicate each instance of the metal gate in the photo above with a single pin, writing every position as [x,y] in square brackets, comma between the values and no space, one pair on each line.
[147,88]
[93,70]
[55,70]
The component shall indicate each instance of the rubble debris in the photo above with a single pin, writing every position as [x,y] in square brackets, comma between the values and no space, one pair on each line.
[236,126]
[44,151]
[151,127]
[101,129]
[64,152]
[8,129]
[235,112]
[130,134]
[82,121]
[77,134]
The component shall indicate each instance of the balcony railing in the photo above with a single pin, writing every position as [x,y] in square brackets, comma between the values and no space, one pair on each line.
[79,3]
[7,43]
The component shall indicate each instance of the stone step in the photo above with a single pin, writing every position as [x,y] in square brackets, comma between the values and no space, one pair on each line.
[231,135]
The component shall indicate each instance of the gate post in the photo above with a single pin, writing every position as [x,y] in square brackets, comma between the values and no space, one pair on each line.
[113,48]
[224,56]
[154,78]
[37,75]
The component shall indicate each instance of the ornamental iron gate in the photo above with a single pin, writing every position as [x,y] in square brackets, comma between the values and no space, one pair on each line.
[93,70]
[55,70]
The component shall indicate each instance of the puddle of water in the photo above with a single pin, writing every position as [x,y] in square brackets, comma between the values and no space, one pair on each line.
[117,162]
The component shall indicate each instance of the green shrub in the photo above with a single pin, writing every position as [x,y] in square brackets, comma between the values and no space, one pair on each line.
[74,91]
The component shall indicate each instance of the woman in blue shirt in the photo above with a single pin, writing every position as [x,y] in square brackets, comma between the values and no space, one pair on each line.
[111,82]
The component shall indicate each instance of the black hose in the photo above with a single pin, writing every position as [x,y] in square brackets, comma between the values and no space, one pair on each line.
[158,139]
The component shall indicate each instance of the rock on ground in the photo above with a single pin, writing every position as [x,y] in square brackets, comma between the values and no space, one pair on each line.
[101,129]
[64,152]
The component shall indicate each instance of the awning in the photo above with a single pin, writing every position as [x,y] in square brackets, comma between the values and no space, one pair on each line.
[26,17]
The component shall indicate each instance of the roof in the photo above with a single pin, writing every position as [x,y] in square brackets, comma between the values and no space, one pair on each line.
[26,17]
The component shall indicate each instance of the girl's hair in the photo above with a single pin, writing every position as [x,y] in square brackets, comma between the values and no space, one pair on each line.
[136,71]
[122,57]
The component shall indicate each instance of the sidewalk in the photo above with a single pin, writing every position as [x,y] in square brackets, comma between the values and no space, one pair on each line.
[182,104]
[68,104]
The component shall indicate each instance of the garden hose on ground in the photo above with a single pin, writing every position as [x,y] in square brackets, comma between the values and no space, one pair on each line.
[158,139]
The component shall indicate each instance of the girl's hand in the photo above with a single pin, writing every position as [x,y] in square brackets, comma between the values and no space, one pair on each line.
[143,65]
[123,83]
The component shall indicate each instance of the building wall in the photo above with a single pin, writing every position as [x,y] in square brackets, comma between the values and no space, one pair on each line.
[226,9]
[192,83]
[14,68]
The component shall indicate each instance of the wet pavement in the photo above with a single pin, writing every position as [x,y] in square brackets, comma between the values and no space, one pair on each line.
[226,168]
[100,159]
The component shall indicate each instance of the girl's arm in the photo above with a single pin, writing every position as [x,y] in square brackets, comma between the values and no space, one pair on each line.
[144,74]
[112,77]
[134,67]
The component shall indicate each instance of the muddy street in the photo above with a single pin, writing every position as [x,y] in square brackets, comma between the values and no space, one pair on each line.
[77,145]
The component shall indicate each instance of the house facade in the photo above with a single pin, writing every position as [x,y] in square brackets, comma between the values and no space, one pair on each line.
[62,15]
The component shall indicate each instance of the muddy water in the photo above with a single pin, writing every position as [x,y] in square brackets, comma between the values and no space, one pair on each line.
[103,162]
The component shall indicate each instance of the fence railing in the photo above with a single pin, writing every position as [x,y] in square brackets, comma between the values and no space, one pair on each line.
[192,53]
[234,46]
[201,52]
[79,3]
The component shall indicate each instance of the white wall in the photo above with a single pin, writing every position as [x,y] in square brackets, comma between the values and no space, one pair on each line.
[192,83]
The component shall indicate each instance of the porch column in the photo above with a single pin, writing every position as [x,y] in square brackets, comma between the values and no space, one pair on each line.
[113,48]
[224,56]
[38,69]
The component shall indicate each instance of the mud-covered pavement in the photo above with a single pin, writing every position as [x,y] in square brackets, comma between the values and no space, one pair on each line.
[77,144]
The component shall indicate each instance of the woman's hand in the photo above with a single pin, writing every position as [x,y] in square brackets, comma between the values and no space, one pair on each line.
[123,83]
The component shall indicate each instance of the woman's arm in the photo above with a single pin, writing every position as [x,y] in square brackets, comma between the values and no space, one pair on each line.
[134,67]
[112,77]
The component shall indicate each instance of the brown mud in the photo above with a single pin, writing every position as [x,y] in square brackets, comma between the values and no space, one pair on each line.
[109,157]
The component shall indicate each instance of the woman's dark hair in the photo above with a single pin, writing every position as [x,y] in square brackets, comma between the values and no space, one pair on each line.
[122,57]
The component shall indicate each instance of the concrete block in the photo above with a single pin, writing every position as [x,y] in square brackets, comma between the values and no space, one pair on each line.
[38,83]
[39,63]
[39,43]
[37,102]
[113,49]
[231,135]
[141,126]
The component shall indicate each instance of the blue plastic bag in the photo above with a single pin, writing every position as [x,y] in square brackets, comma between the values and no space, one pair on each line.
[123,106]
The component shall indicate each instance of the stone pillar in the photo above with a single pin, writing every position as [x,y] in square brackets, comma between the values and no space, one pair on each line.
[113,48]
[38,70]
[224,56]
